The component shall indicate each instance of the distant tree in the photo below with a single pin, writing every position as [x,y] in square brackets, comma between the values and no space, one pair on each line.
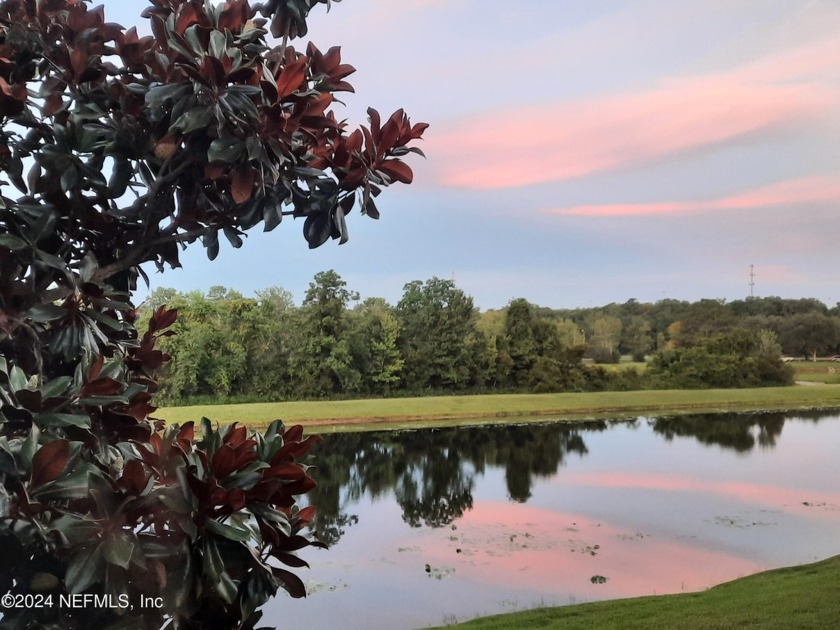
[273,325]
[569,333]
[494,357]
[118,150]
[604,338]
[373,346]
[735,359]
[323,364]
[702,320]
[521,344]
[810,334]
[438,338]
[636,337]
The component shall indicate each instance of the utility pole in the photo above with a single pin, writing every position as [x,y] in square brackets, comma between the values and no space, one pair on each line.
[752,279]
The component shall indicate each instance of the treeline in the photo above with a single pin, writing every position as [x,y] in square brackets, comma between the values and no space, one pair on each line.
[434,340]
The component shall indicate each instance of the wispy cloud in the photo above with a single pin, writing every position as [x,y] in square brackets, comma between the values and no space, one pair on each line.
[562,140]
[802,191]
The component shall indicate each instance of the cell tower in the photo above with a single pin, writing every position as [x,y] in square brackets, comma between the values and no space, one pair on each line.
[752,279]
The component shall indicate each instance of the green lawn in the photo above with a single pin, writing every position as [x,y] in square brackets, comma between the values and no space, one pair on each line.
[806,596]
[639,366]
[817,371]
[400,412]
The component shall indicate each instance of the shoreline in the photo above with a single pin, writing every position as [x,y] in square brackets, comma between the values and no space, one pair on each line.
[465,410]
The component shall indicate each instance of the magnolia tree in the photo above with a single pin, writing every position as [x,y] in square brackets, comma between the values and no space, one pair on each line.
[116,150]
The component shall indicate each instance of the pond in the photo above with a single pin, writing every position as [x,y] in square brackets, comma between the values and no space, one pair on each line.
[434,526]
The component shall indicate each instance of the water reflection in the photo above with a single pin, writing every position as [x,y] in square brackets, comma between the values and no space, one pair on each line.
[534,512]
[740,432]
[431,473]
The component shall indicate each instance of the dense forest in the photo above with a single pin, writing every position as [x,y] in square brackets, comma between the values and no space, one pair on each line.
[434,340]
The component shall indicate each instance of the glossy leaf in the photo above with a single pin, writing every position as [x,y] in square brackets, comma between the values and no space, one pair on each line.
[226,531]
[49,461]
[12,242]
[118,549]
[85,568]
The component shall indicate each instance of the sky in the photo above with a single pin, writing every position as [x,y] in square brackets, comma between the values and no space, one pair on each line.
[580,152]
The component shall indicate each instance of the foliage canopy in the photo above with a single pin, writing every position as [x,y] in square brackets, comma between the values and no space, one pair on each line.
[118,149]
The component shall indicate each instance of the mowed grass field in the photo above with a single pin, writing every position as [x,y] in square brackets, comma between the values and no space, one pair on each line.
[784,599]
[384,413]
[817,371]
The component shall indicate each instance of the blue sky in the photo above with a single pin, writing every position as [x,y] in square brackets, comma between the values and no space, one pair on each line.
[582,153]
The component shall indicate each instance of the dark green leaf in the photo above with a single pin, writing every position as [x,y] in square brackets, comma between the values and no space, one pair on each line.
[272,215]
[46,313]
[29,446]
[225,150]
[371,210]
[226,588]
[340,226]
[10,241]
[211,243]
[108,321]
[247,477]
[211,560]
[226,531]
[55,387]
[159,94]
[69,179]
[173,498]
[53,419]
[85,568]
[233,237]
[119,548]
[74,486]
[17,379]
[194,119]
[316,229]
[51,261]
[88,267]
[76,529]
[44,226]
[120,177]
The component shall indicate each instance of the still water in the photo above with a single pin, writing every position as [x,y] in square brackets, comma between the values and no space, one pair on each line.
[433,526]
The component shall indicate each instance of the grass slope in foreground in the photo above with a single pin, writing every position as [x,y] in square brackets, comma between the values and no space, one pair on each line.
[401,412]
[806,596]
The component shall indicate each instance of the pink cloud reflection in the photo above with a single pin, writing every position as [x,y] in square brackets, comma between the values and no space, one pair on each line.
[533,548]
[789,499]
[806,190]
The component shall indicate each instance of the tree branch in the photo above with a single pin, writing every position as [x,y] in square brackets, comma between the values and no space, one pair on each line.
[146,253]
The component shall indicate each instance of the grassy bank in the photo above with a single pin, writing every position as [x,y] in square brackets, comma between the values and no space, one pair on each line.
[817,371]
[794,597]
[400,412]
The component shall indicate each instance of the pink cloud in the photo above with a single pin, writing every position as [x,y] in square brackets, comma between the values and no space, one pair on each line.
[802,191]
[526,145]
[816,61]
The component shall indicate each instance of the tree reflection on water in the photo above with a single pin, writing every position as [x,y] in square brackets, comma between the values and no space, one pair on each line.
[740,432]
[431,472]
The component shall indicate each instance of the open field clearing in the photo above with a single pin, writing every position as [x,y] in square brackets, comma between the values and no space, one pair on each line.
[402,412]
